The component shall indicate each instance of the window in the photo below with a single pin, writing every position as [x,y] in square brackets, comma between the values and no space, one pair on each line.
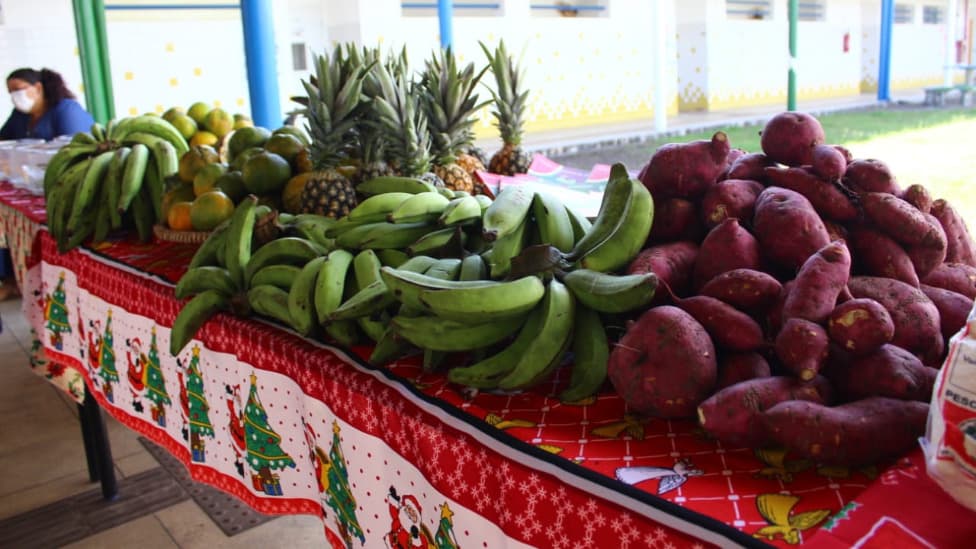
[749,9]
[811,11]
[904,13]
[933,15]
[570,8]
[299,60]
[462,8]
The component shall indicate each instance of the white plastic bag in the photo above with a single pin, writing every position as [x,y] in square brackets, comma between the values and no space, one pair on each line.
[950,440]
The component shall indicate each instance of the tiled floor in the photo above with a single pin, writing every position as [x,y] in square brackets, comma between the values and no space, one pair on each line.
[43,461]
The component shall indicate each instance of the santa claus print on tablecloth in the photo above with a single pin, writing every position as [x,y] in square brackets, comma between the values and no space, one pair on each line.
[137,368]
[408,529]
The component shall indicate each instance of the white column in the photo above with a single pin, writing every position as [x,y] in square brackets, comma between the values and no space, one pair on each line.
[950,43]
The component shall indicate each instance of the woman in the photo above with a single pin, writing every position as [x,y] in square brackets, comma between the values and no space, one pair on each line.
[44,107]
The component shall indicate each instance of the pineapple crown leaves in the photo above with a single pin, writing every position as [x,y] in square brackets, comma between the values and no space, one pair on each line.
[334,104]
[449,102]
[403,122]
[509,99]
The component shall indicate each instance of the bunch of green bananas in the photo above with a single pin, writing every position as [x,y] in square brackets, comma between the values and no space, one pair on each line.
[111,178]
[415,270]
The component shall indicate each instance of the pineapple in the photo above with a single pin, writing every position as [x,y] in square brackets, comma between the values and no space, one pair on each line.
[333,108]
[449,102]
[509,107]
[401,121]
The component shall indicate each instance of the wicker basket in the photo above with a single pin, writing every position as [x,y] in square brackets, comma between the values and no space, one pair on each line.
[265,230]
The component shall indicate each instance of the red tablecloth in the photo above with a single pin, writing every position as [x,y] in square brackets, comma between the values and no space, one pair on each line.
[485,469]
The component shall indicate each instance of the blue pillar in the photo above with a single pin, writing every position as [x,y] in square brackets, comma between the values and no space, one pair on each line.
[445,16]
[262,68]
[884,57]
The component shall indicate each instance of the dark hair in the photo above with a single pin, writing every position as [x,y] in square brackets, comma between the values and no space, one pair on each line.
[54,87]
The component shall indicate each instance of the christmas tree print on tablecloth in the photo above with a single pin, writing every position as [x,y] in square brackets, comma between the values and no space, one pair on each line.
[106,359]
[264,453]
[196,408]
[156,384]
[56,314]
[339,497]
[444,538]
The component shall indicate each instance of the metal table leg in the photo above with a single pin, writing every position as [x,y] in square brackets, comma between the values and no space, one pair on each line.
[86,437]
[99,451]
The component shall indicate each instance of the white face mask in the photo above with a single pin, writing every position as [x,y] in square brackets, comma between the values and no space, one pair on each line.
[22,102]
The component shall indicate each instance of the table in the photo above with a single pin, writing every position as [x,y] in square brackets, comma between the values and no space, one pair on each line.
[293,426]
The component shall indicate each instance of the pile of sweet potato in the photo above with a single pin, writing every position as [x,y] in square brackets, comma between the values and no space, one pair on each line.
[809,296]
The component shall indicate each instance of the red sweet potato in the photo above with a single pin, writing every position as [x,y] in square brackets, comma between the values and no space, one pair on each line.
[733,415]
[961,248]
[835,230]
[686,170]
[744,289]
[953,308]
[825,197]
[848,157]
[958,277]
[802,347]
[859,433]
[889,371]
[789,138]
[870,175]
[876,254]
[737,367]
[860,326]
[930,255]
[729,328]
[672,263]
[727,246]
[787,227]
[729,198]
[750,167]
[828,163]
[918,196]
[665,365]
[675,219]
[898,219]
[774,318]
[818,283]
[916,319]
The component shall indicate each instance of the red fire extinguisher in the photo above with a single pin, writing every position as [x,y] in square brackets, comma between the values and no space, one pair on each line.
[847,42]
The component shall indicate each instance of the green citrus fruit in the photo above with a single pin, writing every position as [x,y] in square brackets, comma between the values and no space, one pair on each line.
[180,193]
[219,122]
[210,209]
[285,145]
[232,184]
[206,178]
[265,172]
[198,112]
[185,125]
[192,160]
[245,138]
[300,133]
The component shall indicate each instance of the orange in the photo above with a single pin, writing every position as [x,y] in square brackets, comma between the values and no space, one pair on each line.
[198,112]
[204,138]
[178,217]
[180,193]
[219,122]
[210,209]
[285,145]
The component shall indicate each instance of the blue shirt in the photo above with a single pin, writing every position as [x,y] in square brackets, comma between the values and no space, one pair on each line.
[68,117]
